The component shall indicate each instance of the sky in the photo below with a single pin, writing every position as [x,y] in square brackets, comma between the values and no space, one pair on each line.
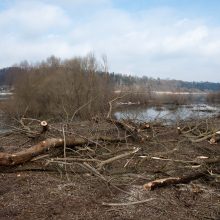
[168,39]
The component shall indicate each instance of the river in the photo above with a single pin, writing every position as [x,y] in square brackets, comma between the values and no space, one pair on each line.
[169,113]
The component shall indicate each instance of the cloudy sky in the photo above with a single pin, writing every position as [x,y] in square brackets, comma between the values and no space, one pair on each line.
[159,38]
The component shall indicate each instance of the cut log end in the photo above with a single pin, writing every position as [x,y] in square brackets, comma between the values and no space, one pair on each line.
[160,182]
[145,126]
[44,125]
[215,138]
[179,130]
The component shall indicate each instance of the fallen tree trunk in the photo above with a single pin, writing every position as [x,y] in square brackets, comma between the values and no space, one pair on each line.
[7,159]
[173,180]
[10,159]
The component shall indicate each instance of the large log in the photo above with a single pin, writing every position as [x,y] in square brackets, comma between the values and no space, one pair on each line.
[10,159]
[174,180]
[7,159]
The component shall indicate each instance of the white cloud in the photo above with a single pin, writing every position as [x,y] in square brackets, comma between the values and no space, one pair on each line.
[33,17]
[156,42]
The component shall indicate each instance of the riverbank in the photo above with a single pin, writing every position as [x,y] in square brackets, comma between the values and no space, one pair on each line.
[70,183]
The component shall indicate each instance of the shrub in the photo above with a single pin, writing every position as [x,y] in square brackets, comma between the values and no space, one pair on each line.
[58,89]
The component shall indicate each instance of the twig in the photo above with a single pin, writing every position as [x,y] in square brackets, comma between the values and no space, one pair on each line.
[173,160]
[40,157]
[76,159]
[127,203]
[64,151]
[64,143]
[81,107]
[118,157]
[97,174]
[109,115]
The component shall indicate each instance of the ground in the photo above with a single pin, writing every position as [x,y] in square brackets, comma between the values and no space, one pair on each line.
[36,191]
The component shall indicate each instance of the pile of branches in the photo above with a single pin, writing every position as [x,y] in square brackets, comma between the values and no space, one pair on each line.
[200,131]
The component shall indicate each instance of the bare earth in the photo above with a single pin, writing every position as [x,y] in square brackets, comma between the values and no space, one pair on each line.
[43,190]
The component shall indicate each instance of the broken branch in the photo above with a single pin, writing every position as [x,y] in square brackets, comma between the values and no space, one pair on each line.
[127,203]
[118,157]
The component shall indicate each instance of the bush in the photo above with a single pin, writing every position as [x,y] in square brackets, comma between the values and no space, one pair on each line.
[61,89]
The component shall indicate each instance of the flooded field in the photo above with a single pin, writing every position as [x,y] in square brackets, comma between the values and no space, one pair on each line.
[169,113]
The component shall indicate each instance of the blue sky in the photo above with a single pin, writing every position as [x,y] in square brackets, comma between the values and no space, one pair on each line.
[176,39]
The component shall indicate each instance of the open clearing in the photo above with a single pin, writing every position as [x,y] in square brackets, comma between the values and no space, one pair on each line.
[52,188]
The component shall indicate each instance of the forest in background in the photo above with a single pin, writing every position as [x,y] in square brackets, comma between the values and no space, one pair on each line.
[9,74]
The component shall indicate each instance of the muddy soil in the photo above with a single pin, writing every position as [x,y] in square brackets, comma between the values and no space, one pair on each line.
[37,190]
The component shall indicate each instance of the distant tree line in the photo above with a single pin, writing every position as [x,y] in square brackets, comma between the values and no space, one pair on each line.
[163,84]
[203,86]
[8,77]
